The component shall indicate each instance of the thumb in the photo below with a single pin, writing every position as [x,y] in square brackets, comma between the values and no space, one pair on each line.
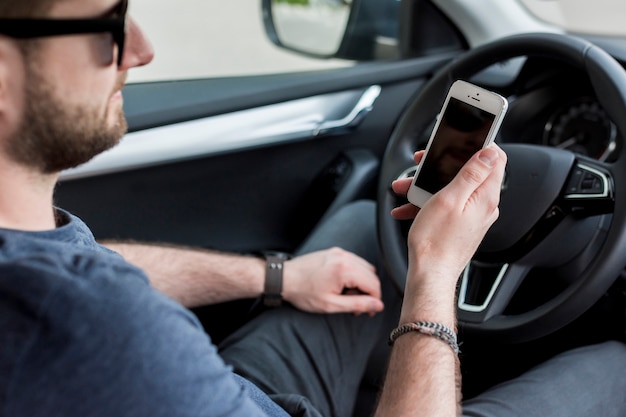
[475,172]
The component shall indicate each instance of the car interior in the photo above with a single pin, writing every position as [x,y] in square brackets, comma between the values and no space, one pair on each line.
[253,163]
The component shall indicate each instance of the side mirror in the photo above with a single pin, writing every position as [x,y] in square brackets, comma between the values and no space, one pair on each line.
[358,30]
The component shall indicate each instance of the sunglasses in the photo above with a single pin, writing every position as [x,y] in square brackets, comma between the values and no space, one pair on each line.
[35,28]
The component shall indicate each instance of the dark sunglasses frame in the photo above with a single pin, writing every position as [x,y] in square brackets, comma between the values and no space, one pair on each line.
[36,28]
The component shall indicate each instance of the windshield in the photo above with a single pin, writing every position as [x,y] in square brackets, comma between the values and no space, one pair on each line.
[593,17]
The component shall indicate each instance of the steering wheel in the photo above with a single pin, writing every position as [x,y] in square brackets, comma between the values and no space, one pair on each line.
[559,211]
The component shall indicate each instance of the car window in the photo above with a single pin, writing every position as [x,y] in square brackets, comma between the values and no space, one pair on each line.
[210,38]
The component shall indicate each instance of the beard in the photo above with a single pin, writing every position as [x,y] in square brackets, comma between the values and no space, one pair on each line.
[54,136]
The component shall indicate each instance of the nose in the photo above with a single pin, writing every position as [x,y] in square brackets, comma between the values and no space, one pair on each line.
[138,50]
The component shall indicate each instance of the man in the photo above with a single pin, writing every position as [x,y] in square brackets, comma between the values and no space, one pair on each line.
[84,333]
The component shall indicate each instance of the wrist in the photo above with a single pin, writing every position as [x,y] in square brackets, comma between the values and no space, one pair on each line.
[429,295]
[446,317]
[437,330]
[274,271]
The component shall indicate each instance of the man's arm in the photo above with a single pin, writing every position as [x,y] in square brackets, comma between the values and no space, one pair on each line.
[195,277]
[315,282]
[423,378]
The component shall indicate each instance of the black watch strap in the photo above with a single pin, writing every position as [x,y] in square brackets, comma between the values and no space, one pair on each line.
[274,264]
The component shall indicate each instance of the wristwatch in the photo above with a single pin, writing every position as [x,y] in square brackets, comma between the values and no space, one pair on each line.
[274,264]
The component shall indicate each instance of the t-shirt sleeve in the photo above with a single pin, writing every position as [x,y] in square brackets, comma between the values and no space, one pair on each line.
[112,346]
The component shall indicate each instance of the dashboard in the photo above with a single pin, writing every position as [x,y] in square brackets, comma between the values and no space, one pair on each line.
[583,127]
[550,104]
[554,105]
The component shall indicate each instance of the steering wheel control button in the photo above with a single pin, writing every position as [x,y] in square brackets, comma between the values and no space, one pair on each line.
[587,182]
[592,185]
[575,180]
[589,191]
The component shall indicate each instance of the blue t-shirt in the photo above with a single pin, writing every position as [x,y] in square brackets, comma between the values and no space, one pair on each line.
[82,333]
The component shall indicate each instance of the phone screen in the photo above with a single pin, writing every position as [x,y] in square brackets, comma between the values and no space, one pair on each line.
[462,132]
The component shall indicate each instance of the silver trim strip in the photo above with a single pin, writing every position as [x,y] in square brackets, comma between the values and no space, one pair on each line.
[408,173]
[295,120]
[463,291]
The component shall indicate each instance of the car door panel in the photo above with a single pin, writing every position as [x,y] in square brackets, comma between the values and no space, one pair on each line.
[248,196]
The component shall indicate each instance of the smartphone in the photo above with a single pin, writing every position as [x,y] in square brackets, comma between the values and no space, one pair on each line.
[469,121]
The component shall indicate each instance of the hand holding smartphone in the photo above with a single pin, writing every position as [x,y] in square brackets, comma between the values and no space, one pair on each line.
[469,121]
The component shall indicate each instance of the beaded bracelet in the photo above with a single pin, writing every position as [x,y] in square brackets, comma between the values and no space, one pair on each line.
[438,330]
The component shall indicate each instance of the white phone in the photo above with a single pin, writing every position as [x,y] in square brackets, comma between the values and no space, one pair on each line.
[469,120]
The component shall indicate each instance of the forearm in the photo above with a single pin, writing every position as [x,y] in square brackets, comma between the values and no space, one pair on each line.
[314,282]
[423,378]
[196,277]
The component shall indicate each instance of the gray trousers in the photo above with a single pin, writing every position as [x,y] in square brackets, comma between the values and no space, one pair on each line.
[312,364]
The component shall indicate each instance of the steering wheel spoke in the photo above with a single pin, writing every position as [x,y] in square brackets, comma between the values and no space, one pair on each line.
[485,290]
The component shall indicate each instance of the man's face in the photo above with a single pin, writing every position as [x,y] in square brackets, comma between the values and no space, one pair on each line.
[56,134]
[72,101]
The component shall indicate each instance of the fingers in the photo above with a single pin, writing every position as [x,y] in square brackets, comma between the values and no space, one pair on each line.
[361,288]
[405,212]
[401,186]
[481,175]
[417,156]
[356,275]
[365,283]
[484,170]
[332,281]
[355,303]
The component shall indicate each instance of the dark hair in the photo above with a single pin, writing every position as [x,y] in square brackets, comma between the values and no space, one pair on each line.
[24,8]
